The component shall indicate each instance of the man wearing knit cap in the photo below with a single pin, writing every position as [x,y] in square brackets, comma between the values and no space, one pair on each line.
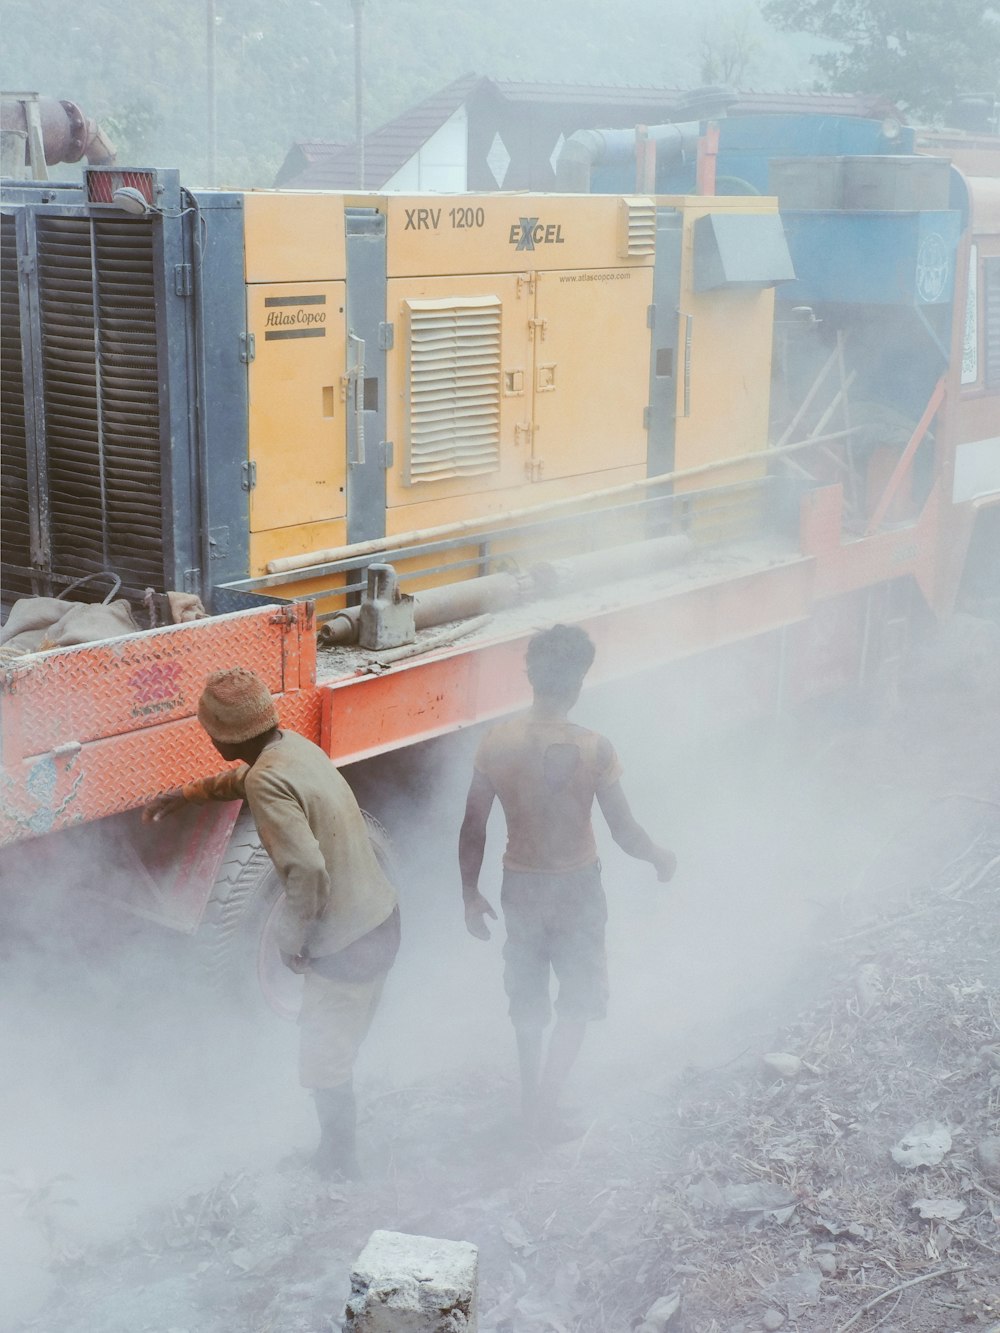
[340,927]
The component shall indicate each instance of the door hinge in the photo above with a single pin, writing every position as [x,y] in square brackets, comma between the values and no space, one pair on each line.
[248,348]
[651,317]
[522,433]
[387,453]
[537,324]
[248,475]
[182,279]
[386,337]
[533,468]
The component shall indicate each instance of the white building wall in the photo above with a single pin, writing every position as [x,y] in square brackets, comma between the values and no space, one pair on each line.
[441,164]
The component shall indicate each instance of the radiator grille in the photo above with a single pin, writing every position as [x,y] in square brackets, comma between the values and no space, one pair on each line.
[130,397]
[638,229]
[454,388]
[15,542]
[102,425]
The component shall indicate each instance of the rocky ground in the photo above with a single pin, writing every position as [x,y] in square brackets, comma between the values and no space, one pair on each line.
[835,1167]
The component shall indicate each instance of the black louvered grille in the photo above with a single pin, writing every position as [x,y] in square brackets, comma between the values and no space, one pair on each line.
[15,544]
[130,397]
[102,425]
[69,368]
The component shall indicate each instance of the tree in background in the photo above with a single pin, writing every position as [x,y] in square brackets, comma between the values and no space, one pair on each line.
[921,54]
[730,45]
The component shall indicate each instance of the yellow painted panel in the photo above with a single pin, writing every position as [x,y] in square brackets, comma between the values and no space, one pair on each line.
[591,370]
[294,237]
[494,233]
[425,513]
[730,356]
[297,540]
[515,375]
[731,333]
[265,546]
[298,435]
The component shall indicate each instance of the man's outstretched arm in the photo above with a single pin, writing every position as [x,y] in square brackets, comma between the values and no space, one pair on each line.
[629,834]
[471,846]
[226,786]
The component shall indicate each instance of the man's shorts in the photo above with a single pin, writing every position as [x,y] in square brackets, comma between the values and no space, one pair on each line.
[558,921]
[334,1021]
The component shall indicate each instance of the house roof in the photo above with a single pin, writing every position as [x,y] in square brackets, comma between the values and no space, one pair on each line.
[317,165]
[387,149]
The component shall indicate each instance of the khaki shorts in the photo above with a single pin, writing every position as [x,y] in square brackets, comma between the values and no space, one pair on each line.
[334,1021]
[557,922]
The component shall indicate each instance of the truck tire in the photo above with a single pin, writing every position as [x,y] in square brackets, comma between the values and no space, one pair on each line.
[235,943]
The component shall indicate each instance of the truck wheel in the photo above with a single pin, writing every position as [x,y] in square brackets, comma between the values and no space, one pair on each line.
[236,941]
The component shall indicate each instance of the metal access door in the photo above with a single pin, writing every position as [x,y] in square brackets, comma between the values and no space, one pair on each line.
[459,382]
[590,370]
[297,435]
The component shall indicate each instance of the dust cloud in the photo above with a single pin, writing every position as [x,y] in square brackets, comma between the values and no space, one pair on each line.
[128,1085]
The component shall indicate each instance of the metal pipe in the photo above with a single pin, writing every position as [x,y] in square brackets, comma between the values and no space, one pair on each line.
[442,639]
[67,134]
[553,578]
[286,564]
[587,149]
[435,606]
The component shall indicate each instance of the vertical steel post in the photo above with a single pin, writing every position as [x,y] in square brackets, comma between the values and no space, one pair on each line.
[359,92]
[210,86]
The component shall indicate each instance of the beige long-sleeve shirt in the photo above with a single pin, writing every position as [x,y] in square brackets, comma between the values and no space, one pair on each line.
[312,829]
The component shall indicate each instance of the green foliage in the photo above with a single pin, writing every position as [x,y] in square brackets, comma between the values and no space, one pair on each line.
[919,53]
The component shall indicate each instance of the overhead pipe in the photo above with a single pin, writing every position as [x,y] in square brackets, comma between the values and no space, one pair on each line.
[587,150]
[67,134]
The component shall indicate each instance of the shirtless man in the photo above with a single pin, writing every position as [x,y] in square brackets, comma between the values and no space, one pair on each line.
[547,772]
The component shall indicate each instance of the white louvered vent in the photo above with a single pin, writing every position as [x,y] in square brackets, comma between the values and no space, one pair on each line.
[638,228]
[454,388]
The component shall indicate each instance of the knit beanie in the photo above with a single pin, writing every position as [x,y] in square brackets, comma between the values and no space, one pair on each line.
[235,706]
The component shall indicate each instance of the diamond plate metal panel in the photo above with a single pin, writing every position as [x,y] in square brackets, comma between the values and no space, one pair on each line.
[78,695]
[105,777]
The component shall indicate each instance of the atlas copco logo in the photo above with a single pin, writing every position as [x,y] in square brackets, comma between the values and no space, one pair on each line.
[526,233]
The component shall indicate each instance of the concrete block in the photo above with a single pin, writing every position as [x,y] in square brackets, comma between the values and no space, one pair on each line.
[413,1284]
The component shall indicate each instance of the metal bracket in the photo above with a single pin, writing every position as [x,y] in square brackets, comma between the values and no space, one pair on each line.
[356,376]
[182,280]
[387,452]
[248,475]
[248,348]
[386,337]
[651,317]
